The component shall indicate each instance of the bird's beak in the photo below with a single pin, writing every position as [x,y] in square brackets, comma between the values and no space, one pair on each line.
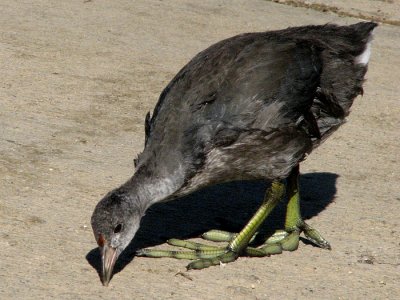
[108,257]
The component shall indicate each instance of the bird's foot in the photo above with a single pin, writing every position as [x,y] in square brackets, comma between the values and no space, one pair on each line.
[206,255]
[209,255]
[288,240]
[294,223]
[203,255]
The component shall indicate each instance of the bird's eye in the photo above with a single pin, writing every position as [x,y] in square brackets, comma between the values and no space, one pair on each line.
[118,228]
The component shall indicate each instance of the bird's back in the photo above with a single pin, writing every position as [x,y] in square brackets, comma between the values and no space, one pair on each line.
[251,106]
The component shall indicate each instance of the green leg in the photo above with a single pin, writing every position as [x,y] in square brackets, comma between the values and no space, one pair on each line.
[281,240]
[210,255]
[294,223]
[288,239]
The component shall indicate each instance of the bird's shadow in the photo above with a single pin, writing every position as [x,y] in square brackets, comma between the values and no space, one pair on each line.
[225,206]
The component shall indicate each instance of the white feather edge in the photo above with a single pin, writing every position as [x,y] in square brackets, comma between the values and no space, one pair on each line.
[363,58]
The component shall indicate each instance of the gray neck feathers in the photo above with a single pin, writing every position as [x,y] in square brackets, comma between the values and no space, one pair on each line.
[145,189]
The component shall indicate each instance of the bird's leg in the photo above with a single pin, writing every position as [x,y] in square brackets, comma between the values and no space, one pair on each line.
[206,256]
[288,239]
[294,224]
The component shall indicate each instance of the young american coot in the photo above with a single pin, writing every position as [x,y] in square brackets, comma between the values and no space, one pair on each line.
[248,107]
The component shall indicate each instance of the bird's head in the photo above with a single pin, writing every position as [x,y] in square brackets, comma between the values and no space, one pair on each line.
[115,222]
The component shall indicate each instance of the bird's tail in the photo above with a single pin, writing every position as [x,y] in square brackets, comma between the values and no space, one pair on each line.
[345,55]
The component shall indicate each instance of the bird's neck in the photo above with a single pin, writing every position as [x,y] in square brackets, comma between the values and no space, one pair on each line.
[148,188]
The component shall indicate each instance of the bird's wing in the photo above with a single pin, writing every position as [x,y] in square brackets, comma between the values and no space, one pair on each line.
[253,81]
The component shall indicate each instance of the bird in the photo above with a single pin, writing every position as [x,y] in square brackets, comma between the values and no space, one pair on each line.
[250,107]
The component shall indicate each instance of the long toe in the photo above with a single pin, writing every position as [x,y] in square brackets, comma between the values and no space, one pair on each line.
[216,235]
[178,254]
[315,237]
[266,250]
[227,257]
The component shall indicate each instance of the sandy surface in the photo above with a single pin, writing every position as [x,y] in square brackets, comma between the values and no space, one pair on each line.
[77,78]
[382,11]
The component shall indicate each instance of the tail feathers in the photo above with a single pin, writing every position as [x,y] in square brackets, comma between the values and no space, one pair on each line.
[342,40]
[365,31]
[351,40]
[345,63]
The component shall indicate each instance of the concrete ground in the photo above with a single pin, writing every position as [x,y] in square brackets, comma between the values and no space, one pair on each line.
[78,77]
